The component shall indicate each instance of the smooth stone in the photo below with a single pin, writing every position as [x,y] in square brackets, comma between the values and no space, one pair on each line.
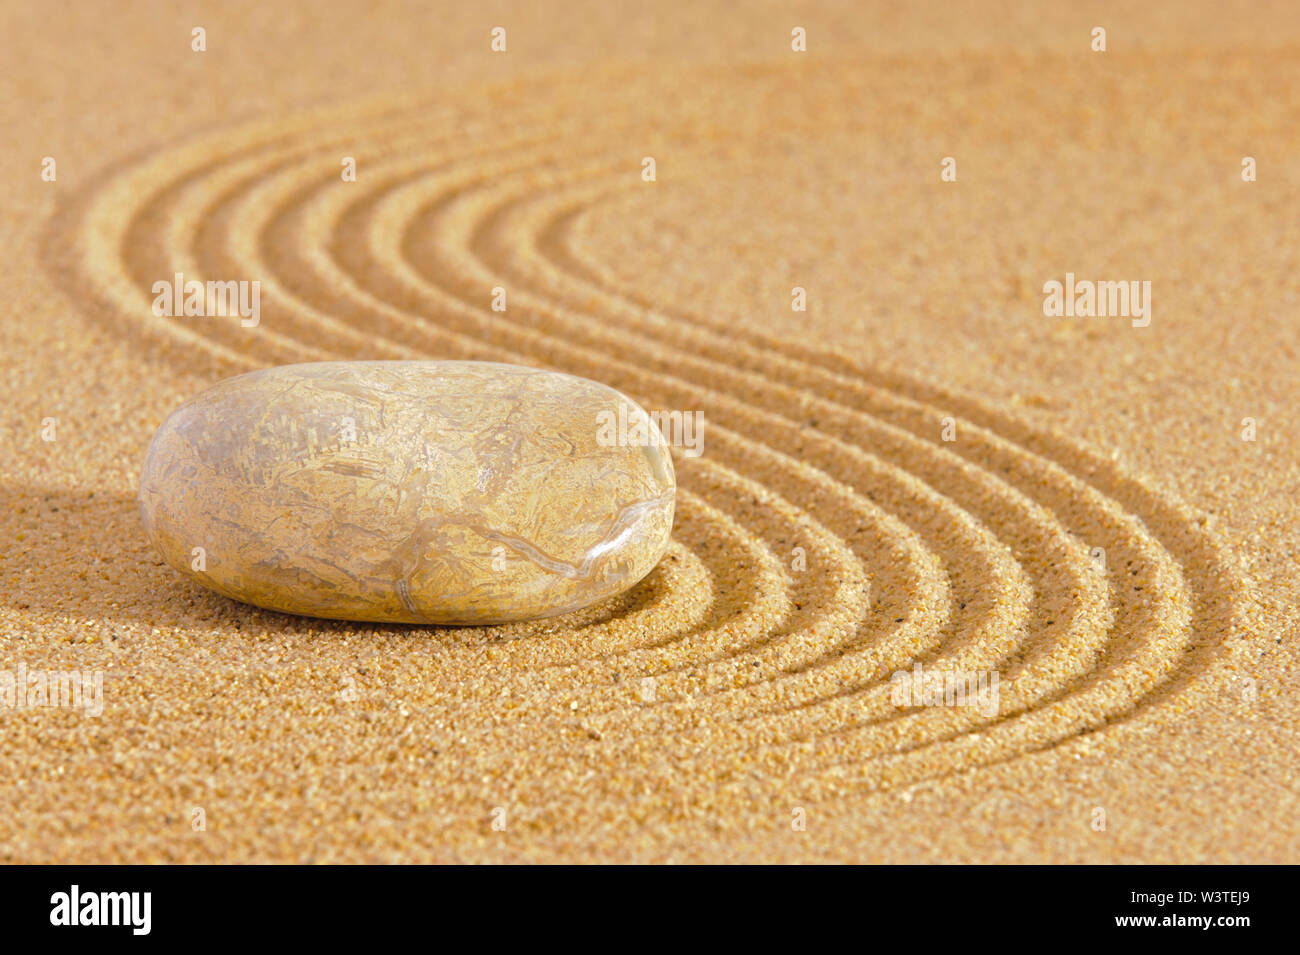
[448,492]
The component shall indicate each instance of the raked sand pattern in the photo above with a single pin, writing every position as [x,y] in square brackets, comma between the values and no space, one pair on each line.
[850,517]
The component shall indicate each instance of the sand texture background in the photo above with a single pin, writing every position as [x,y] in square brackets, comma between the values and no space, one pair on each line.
[1097,531]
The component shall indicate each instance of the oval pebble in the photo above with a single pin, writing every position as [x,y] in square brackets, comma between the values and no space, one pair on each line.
[443,492]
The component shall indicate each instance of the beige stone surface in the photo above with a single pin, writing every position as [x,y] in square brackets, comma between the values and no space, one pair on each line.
[410,492]
[1097,531]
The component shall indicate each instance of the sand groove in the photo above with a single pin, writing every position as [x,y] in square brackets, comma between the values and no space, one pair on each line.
[975,554]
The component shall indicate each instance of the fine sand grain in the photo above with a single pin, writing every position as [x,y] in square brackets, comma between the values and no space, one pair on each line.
[921,468]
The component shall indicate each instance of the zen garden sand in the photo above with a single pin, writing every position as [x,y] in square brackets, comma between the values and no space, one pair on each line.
[907,466]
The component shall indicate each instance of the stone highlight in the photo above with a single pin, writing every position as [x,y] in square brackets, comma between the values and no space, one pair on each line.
[437,492]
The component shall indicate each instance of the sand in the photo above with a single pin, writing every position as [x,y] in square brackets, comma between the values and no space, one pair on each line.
[921,468]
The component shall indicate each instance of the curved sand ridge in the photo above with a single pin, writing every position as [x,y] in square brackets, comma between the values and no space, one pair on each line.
[975,554]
